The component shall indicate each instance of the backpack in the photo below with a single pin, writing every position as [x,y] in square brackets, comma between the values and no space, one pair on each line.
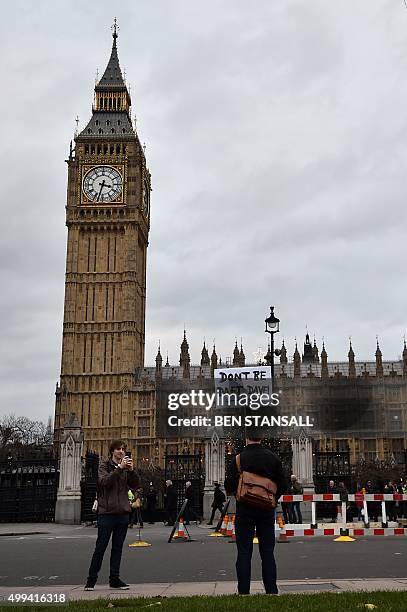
[254,490]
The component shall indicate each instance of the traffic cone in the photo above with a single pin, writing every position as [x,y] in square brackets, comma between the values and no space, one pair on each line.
[181,530]
[233,536]
[282,536]
[229,528]
[255,539]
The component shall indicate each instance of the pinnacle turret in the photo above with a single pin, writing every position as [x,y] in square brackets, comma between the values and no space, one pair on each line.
[283,354]
[324,362]
[297,361]
[205,361]
[236,356]
[351,360]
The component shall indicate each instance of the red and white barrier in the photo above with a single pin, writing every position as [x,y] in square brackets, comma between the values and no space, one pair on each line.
[340,526]
[320,497]
[353,531]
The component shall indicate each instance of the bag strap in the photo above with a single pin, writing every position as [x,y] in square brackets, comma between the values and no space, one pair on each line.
[239,469]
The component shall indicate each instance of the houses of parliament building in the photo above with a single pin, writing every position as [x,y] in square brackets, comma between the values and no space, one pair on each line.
[360,405]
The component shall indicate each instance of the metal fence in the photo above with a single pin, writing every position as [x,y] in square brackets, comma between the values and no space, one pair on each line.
[28,490]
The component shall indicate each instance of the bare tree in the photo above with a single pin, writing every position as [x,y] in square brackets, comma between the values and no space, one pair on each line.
[22,431]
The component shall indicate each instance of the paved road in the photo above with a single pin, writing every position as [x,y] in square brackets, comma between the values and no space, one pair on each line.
[62,556]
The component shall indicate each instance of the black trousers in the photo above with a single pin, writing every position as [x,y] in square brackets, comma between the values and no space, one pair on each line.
[114,525]
[220,508]
[171,515]
[190,514]
[248,521]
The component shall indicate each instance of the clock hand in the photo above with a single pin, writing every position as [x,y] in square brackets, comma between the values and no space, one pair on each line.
[102,184]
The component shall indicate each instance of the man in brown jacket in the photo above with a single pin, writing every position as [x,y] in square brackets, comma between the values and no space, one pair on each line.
[115,477]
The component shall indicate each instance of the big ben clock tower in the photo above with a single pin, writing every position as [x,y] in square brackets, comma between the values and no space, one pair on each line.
[107,215]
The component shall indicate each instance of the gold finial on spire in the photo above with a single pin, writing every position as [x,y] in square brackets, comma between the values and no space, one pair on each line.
[77,125]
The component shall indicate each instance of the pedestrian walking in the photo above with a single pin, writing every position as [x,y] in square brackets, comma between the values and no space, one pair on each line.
[219,499]
[295,489]
[255,462]
[115,477]
[170,502]
[190,513]
[151,498]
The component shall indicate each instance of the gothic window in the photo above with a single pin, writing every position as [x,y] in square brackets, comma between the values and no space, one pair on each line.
[97,121]
[143,452]
[108,122]
[119,122]
[89,131]
[100,131]
[124,130]
[112,130]
[396,420]
[145,401]
[143,427]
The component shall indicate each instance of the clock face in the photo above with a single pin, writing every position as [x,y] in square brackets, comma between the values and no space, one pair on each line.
[102,184]
[146,198]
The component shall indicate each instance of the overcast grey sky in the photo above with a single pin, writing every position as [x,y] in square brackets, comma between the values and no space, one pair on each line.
[276,136]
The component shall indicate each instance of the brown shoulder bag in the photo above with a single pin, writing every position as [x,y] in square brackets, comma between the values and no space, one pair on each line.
[254,490]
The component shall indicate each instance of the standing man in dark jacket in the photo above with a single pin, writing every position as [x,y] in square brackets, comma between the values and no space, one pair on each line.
[262,461]
[151,498]
[170,502]
[218,501]
[115,477]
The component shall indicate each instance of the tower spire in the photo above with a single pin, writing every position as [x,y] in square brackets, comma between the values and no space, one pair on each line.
[351,360]
[115,29]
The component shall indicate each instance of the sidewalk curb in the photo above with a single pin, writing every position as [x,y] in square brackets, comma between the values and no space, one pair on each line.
[189,589]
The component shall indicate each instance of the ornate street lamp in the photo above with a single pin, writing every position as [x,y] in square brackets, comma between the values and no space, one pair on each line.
[272,327]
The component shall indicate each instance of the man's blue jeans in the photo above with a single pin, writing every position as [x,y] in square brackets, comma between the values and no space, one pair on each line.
[247,521]
[114,525]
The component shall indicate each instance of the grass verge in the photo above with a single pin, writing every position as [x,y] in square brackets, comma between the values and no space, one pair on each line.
[381,601]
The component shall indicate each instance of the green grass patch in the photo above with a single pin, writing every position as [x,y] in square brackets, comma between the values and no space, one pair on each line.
[384,601]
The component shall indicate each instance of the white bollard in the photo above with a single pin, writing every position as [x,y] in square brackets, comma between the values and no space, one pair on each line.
[344,513]
[365,514]
[313,515]
[384,515]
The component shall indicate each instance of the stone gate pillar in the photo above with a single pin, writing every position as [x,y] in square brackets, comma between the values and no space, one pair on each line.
[303,468]
[214,469]
[68,507]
